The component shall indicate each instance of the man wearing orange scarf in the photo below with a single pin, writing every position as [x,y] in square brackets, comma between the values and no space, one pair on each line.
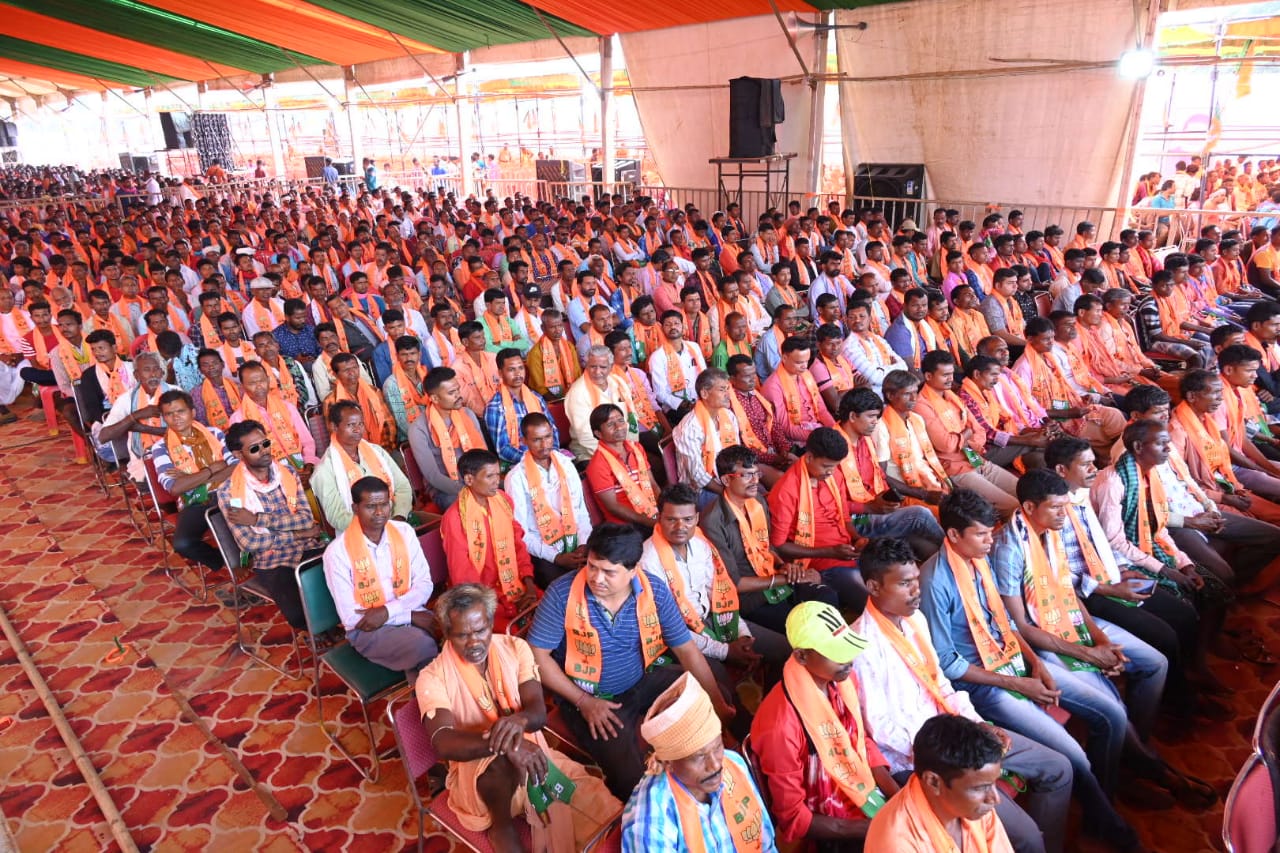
[797,402]
[1033,574]
[546,493]
[825,775]
[350,457]
[937,811]
[446,430]
[617,634]
[552,362]
[507,407]
[135,415]
[980,651]
[957,437]
[484,710]
[483,542]
[14,324]
[706,592]
[696,795]
[811,520]
[191,462]
[380,583]
[290,436]
[217,397]
[901,687]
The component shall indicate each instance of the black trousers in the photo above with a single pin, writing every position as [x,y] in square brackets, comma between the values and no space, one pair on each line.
[38,376]
[188,537]
[1165,622]
[622,757]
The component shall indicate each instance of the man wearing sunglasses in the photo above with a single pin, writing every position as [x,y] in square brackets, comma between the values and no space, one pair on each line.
[267,509]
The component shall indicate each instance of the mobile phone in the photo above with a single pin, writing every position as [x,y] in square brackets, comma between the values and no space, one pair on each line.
[235,503]
[1142,586]
[892,496]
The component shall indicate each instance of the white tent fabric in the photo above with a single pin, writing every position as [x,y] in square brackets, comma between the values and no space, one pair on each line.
[982,104]
[689,122]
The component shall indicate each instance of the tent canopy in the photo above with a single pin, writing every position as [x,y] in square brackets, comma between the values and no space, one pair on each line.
[48,45]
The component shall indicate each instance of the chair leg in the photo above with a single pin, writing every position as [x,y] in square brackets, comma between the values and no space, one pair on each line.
[254,653]
[375,770]
[50,411]
[81,448]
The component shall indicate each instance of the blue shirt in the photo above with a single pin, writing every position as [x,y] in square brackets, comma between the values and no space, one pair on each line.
[621,656]
[495,421]
[652,822]
[330,175]
[381,362]
[943,609]
[296,344]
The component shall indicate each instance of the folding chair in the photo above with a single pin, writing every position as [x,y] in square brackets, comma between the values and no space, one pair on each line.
[419,755]
[433,547]
[593,507]
[232,556]
[560,417]
[318,428]
[166,508]
[99,465]
[414,473]
[1249,819]
[668,447]
[366,679]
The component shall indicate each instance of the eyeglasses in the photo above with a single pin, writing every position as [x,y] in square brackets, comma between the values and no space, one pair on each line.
[265,444]
[753,474]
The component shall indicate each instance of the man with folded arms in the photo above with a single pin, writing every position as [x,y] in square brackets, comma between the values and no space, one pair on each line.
[484,711]
[825,774]
[690,769]
[951,801]
[604,639]
[380,583]
[901,686]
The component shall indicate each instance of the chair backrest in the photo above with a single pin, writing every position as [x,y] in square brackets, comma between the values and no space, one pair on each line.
[1270,707]
[165,500]
[414,473]
[1249,819]
[433,547]
[560,416]
[1044,304]
[669,462]
[753,765]
[593,506]
[317,601]
[318,428]
[82,405]
[222,535]
[416,749]
[1268,747]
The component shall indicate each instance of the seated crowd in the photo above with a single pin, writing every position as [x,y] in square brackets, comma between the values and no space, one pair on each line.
[935,493]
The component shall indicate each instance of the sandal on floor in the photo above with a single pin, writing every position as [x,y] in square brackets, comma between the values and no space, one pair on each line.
[1191,791]
[1255,651]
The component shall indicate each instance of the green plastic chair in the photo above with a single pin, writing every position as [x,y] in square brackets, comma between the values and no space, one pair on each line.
[366,679]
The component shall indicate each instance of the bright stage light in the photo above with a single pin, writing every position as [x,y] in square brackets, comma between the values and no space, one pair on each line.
[1136,64]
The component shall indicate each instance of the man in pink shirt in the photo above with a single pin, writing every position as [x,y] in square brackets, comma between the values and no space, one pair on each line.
[797,403]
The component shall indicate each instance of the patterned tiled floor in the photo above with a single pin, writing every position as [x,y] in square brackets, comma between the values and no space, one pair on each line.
[197,747]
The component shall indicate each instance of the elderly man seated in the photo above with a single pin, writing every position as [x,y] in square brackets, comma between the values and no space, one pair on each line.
[381,582]
[696,795]
[483,708]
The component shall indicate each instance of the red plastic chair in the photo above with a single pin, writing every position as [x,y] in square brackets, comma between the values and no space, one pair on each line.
[165,507]
[556,411]
[669,461]
[1249,820]
[433,547]
[47,393]
[419,755]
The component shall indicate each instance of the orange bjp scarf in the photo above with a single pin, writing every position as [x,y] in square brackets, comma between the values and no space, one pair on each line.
[492,527]
[583,658]
[367,586]
[724,623]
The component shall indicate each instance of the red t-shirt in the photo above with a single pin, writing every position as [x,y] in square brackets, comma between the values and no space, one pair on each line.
[600,478]
[829,527]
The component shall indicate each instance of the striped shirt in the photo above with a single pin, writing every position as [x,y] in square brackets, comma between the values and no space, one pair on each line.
[495,423]
[652,821]
[622,661]
[167,474]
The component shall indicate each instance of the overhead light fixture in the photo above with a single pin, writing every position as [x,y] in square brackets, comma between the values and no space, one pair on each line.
[1136,64]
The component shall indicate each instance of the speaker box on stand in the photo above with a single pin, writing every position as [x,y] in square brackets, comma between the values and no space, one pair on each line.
[755,110]
[212,138]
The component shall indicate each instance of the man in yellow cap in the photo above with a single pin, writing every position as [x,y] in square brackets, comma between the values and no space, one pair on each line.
[826,776]
[949,804]
[694,788]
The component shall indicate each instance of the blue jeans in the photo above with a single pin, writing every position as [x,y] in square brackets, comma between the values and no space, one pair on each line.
[1030,720]
[908,522]
[1145,675]
[847,582]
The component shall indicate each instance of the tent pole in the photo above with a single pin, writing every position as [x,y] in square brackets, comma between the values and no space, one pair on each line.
[352,109]
[817,110]
[272,114]
[608,143]
[461,110]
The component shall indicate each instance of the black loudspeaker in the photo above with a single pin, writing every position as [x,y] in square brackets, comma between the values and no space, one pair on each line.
[177,130]
[888,182]
[624,171]
[755,109]
[212,139]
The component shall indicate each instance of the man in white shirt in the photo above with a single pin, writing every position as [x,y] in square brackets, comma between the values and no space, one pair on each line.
[597,385]
[673,384]
[351,457]
[679,553]
[546,494]
[901,685]
[381,582]
[869,353]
